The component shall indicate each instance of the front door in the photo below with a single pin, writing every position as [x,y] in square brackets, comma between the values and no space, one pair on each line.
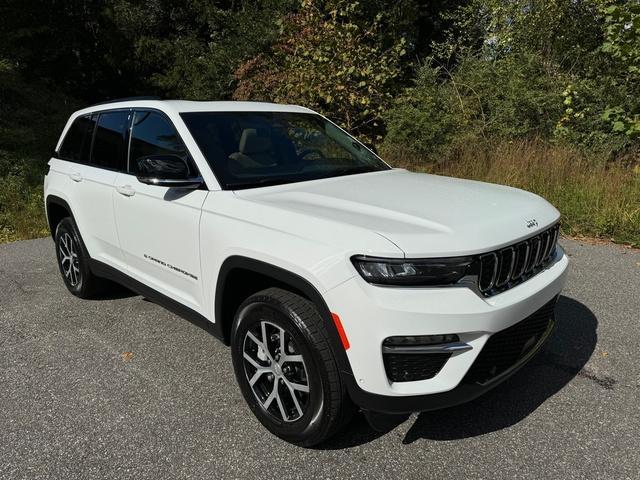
[158,227]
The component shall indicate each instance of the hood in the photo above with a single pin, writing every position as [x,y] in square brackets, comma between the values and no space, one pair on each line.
[424,215]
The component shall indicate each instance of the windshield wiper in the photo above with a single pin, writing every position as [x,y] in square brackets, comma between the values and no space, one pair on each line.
[353,170]
[260,182]
[266,182]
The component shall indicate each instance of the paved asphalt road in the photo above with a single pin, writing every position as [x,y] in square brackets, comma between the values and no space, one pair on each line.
[71,406]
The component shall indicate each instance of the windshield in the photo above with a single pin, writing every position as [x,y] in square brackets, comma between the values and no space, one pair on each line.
[252,149]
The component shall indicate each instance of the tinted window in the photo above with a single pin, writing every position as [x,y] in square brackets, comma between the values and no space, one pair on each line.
[153,134]
[252,149]
[109,145]
[71,148]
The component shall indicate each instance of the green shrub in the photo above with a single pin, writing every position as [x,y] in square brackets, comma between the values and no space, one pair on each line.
[21,204]
[512,97]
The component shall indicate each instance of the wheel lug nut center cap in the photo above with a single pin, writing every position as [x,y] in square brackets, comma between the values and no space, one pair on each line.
[277,369]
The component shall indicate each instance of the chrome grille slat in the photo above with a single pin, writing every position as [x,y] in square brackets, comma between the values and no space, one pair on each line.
[488,271]
[505,266]
[533,254]
[554,242]
[549,237]
[522,254]
[541,248]
[510,266]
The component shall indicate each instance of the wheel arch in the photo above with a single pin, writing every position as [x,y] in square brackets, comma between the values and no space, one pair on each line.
[238,271]
[56,209]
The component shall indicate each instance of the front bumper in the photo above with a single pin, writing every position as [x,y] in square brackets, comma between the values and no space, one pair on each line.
[369,314]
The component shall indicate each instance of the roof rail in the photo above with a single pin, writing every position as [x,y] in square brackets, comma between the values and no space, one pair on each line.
[126,99]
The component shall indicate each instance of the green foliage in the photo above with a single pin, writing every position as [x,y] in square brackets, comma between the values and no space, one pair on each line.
[511,97]
[425,119]
[190,49]
[326,60]
[622,43]
[561,32]
[21,203]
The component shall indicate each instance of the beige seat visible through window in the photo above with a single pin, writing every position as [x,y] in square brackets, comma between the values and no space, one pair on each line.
[254,151]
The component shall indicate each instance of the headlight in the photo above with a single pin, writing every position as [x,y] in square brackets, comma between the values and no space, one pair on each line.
[428,271]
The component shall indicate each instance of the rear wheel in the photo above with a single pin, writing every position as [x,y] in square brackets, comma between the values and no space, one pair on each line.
[73,261]
[286,369]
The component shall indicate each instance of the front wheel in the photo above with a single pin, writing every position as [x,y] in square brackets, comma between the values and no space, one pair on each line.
[286,369]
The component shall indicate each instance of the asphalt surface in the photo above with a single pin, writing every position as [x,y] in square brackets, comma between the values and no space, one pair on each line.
[121,388]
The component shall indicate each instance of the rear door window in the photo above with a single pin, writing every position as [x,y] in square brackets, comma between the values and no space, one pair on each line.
[109,143]
[154,134]
[77,135]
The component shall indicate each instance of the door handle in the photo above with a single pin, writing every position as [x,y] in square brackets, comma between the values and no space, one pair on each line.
[75,176]
[126,190]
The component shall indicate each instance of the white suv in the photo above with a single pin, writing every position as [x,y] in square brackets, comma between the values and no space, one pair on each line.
[337,280]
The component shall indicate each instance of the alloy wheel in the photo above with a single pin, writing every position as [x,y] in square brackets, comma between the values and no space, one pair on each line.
[69,259]
[276,371]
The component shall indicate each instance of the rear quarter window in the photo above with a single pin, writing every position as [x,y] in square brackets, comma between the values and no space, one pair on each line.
[73,144]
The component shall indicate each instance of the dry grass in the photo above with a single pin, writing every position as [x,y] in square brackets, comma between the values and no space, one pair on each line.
[596,199]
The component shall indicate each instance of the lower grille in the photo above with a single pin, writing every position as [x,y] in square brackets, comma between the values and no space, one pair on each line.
[402,367]
[506,348]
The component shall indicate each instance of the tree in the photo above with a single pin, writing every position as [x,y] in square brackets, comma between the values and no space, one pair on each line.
[326,60]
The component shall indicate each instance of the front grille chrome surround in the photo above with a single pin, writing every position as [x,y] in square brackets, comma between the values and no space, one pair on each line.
[510,266]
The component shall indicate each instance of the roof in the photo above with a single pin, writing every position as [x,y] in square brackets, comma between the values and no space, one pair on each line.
[180,106]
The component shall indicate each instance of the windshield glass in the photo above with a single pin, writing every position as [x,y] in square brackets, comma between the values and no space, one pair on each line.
[253,149]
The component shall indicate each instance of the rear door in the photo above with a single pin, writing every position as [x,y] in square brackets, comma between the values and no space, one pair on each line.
[158,226]
[92,178]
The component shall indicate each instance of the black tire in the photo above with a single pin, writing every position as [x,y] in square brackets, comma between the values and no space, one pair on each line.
[326,407]
[80,281]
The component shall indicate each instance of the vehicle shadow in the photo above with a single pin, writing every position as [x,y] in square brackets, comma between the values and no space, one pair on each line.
[115,291]
[562,358]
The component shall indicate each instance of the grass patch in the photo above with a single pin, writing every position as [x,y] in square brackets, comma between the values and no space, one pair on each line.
[596,198]
[21,209]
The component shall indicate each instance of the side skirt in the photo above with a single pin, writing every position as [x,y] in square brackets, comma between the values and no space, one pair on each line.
[103,270]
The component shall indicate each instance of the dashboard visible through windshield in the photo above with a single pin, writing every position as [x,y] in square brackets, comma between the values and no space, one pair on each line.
[253,149]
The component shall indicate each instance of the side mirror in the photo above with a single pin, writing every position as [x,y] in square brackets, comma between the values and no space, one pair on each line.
[166,171]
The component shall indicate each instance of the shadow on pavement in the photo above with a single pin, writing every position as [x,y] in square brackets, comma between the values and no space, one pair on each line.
[115,291]
[564,357]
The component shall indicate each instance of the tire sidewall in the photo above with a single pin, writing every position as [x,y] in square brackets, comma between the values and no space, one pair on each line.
[252,312]
[67,225]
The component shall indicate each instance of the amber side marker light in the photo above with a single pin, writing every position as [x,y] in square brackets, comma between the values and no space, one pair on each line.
[341,332]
